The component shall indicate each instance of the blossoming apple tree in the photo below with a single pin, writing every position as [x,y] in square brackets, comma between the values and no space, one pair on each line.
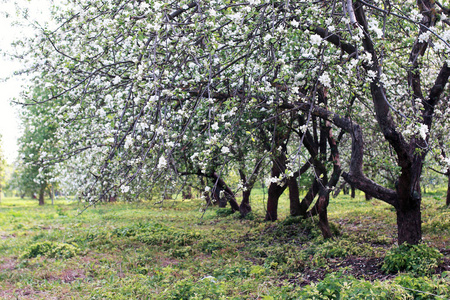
[145,81]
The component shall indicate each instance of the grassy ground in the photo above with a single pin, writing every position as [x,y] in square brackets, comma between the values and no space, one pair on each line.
[148,251]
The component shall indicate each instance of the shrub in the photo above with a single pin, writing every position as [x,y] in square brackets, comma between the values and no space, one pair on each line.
[51,250]
[418,259]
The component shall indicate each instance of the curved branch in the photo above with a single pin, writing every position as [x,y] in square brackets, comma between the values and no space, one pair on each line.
[355,176]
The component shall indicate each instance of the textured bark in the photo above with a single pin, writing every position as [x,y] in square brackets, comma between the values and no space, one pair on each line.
[409,224]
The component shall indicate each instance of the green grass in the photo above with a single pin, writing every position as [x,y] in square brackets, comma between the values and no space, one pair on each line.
[147,251]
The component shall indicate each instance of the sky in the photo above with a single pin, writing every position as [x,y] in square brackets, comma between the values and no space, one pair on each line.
[9,89]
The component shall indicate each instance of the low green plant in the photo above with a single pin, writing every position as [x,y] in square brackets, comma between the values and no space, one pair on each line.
[51,250]
[286,258]
[209,245]
[224,212]
[182,252]
[341,248]
[188,289]
[423,287]
[420,259]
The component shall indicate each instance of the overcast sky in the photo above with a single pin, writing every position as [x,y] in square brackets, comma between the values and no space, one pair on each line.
[9,123]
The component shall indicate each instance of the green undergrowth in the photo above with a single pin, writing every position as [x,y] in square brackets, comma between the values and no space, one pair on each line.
[174,250]
[51,250]
[420,260]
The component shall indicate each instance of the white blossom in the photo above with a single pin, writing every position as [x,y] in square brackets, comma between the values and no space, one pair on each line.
[423,130]
[116,80]
[325,79]
[162,162]
[315,39]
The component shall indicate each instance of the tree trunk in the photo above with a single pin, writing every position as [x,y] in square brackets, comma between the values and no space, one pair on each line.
[323,216]
[409,219]
[41,195]
[409,225]
[448,190]
[275,189]
[274,194]
[294,197]
[245,207]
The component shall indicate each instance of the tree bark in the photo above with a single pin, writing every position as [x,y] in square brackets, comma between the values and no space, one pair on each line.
[274,194]
[448,189]
[41,195]
[245,207]
[294,197]
[323,215]
[275,189]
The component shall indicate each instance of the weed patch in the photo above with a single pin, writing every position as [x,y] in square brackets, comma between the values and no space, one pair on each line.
[420,260]
[51,250]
